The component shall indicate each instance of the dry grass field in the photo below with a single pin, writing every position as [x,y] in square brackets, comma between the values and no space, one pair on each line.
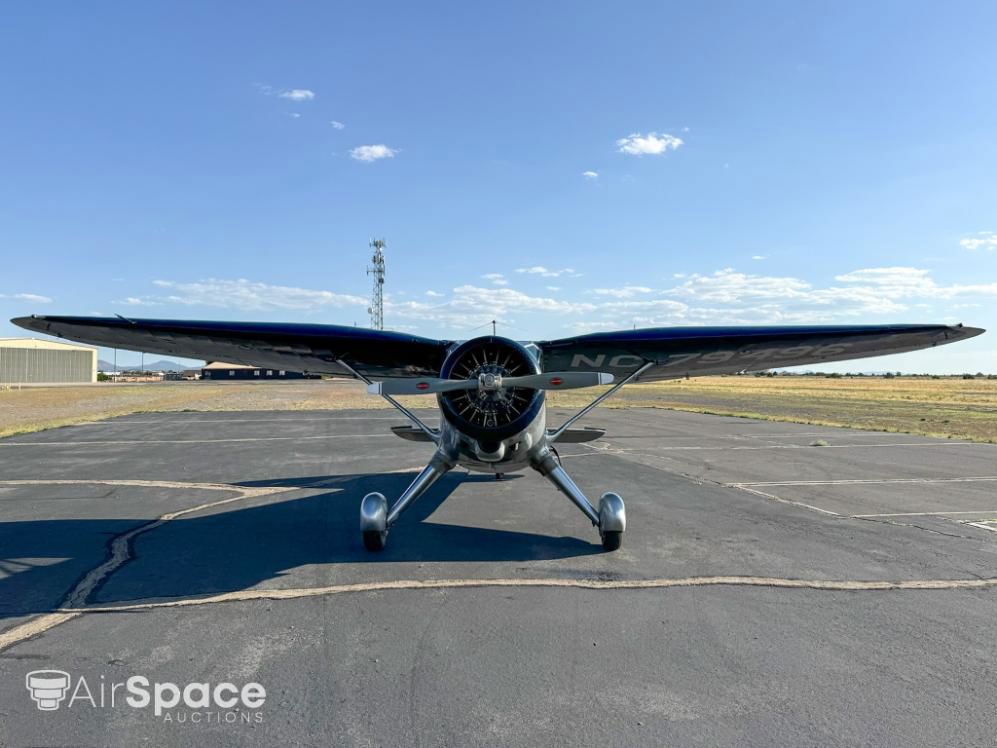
[948,407]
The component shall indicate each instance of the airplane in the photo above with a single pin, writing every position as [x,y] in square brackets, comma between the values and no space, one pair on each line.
[491,390]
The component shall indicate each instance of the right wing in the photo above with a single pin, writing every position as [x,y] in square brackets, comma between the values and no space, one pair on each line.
[291,347]
[697,351]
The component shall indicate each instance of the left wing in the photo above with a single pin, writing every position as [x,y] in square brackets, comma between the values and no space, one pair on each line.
[292,347]
[696,351]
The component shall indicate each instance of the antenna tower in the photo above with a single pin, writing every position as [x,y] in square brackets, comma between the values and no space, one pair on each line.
[376,269]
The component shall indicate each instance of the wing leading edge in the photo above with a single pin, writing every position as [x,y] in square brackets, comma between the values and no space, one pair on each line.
[697,351]
[292,347]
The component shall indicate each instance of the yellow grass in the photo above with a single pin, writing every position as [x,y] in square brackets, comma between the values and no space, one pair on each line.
[949,407]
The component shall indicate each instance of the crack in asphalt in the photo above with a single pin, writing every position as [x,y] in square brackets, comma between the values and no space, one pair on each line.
[121,551]
[120,547]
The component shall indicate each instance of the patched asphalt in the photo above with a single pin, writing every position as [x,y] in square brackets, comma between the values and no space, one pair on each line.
[278,559]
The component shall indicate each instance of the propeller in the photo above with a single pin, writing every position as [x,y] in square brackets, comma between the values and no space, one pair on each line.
[550,380]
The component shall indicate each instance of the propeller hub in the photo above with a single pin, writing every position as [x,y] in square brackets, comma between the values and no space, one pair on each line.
[489,381]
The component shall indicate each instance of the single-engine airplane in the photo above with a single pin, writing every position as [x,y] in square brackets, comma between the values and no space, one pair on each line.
[490,390]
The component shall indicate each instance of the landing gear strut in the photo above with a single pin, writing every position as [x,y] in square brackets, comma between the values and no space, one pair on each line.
[611,519]
[376,518]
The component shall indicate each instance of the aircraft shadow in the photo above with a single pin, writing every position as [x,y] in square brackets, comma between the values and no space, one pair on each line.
[248,544]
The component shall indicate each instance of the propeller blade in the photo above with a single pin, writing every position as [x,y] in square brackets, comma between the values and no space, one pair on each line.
[551,380]
[559,380]
[420,386]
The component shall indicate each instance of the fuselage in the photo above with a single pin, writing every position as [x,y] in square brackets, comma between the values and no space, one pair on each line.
[505,455]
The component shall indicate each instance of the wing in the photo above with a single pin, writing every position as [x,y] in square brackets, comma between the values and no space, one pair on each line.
[696,351]
[292,347]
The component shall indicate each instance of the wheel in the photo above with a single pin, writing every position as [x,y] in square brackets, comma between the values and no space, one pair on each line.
[612,521]
[375,541]
[612,540]
[374,522]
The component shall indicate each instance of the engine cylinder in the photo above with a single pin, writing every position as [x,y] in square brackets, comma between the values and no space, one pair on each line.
[493,413]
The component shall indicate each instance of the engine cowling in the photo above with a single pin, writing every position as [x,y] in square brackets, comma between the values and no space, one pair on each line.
[490,415]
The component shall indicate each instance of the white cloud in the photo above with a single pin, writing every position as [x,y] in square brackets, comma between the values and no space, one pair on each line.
[729,286]
[434,294]
[582,327]
[136,301]
[627,292]
[372,152]
[246,295]
[294,115]
[590,174]
[29,297]
[651,144]
[771,299]
[908,282]
[497,278]
[505,299]
[473,306]
[982,240]
[888,276]
[553,288]
[758,257]
[337,124]
[547,273]
[657,305]
[297,94]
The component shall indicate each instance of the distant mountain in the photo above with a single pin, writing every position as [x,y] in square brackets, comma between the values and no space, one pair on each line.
[162,365]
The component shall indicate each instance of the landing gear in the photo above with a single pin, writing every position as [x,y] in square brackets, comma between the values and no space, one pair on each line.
[376,519]
[373,521]
[611,519]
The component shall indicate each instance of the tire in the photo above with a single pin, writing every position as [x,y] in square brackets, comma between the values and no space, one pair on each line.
[612,540]
[374,540]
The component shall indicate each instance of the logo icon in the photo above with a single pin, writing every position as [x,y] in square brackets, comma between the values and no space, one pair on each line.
[48,688]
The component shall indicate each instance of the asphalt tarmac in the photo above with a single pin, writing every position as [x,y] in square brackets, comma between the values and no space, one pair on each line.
[778,584]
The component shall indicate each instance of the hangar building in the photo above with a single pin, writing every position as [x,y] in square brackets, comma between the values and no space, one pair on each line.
[32,361]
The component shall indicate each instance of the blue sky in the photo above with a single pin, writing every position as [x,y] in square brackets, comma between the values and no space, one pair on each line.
[563,168]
